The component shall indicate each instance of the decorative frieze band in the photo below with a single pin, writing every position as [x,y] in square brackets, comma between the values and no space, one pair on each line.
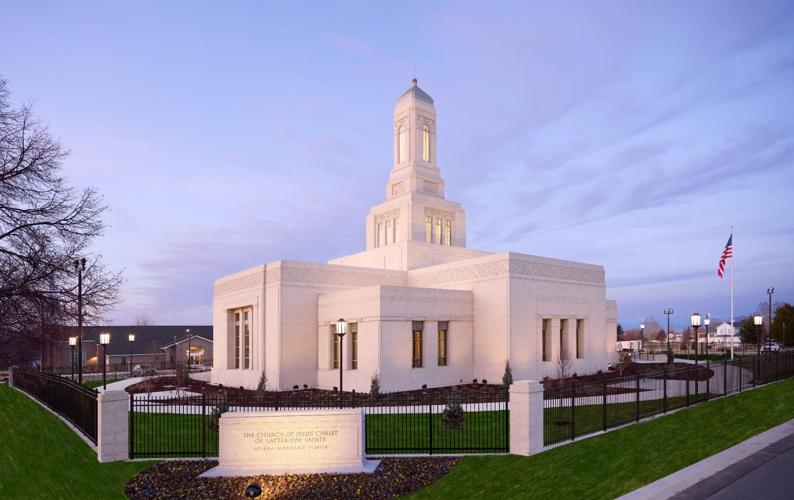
[391,214]
[253,280]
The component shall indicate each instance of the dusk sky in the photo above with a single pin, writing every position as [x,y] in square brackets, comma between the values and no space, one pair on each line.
[225,135]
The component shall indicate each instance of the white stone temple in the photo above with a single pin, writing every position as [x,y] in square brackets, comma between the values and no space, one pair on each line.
[421,308]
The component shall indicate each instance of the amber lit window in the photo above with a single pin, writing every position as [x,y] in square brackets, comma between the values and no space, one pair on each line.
[437,235]
[429,229]
[247,339]
[443,334]
[353,327]
[237,339]
[546,347]
[448,232]
[242,336]
[334,347]
[417,344]
[579,338]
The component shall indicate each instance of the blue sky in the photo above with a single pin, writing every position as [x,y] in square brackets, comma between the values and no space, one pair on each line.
[225,135]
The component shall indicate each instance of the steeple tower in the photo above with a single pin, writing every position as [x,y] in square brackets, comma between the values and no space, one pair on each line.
[414,169]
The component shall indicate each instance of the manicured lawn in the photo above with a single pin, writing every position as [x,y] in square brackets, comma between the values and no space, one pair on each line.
[615,463]
[93,384]
[42,458]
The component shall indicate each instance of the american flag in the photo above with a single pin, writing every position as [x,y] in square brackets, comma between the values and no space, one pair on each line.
[727,253]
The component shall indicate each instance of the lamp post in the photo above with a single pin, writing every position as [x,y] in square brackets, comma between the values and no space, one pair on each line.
[131,339]
[187,330]
[668,311]
[706,323]
[72,343]
[79,266]
[341,330]
[642,336]
[694,321]
[758,321]
[104,340]
[769,291]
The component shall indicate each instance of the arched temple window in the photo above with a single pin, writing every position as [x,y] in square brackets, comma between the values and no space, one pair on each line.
[426,143]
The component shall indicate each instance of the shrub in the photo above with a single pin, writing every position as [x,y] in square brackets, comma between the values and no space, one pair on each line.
[219,409]
[453,417]
[261,387]
[374,384]
[507,378]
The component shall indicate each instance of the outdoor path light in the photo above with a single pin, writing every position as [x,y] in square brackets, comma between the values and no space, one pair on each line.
[758,321]
[341,329]
[104,340]
[131,339]
[694,320]
[706,323]
[72,344]
[642,336]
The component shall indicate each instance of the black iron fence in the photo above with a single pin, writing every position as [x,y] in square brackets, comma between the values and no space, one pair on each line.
[74,402]
[417,422]
[574,408]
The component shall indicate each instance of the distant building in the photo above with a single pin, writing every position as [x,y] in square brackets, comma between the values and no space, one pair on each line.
[156,346]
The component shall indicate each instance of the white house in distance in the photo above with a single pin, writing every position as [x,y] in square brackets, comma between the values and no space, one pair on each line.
[421,307]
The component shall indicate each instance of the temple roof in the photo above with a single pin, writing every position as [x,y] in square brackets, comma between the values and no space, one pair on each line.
[417,92]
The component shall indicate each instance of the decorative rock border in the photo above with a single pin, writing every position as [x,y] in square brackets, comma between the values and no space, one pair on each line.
[394,477]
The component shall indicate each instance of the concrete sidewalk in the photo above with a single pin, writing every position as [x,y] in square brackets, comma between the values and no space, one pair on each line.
[707,471]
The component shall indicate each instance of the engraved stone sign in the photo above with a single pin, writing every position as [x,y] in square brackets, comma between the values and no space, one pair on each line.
[291,442]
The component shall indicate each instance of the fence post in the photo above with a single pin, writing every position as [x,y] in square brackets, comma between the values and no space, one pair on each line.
[203,425]
[430,421]
[131,438]
[112,426]
[724,377]
[526,417]
[573,411]
[686,374]
[638,397]
[604,407]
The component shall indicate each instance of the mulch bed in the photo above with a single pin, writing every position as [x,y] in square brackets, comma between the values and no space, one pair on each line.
[394,477]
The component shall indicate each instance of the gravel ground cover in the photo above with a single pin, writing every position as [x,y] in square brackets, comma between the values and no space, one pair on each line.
[394,477]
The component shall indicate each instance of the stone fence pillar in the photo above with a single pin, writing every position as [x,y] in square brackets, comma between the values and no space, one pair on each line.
[526,417]
[113,426]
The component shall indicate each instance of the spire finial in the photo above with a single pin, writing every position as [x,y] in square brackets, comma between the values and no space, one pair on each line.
[413,82]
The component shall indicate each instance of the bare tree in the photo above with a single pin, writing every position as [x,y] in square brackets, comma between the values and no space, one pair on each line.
[45,225]
[143,320]
[563,365]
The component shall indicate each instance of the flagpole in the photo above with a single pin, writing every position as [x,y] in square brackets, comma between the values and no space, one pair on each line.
[733,330]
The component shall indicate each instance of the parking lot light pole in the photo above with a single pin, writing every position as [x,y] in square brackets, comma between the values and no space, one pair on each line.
[769,291]
[668,311]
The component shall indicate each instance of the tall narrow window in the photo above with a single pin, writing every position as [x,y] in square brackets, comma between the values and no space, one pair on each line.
[376,236]
[443,334]
[396,230]
[429,229]
[563,339]
[388,239]
[448,232]
[247,339]
[579,338]
[402,145]
[237,340]
[437,235]
[353,345]
[334,348]
[418,326]
[545,339]
[426,143]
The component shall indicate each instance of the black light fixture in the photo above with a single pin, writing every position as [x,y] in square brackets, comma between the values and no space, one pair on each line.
[642,336]
[104,340]
[131,339]
[694,321]
[72,344]
[341,330]
[758,321]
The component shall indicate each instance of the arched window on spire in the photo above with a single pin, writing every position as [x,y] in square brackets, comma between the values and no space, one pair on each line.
[426,143]
[402,145]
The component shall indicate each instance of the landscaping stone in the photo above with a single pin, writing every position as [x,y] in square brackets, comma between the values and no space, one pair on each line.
[393,478]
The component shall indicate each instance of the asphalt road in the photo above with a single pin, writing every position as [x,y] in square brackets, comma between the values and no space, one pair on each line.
[767,474]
